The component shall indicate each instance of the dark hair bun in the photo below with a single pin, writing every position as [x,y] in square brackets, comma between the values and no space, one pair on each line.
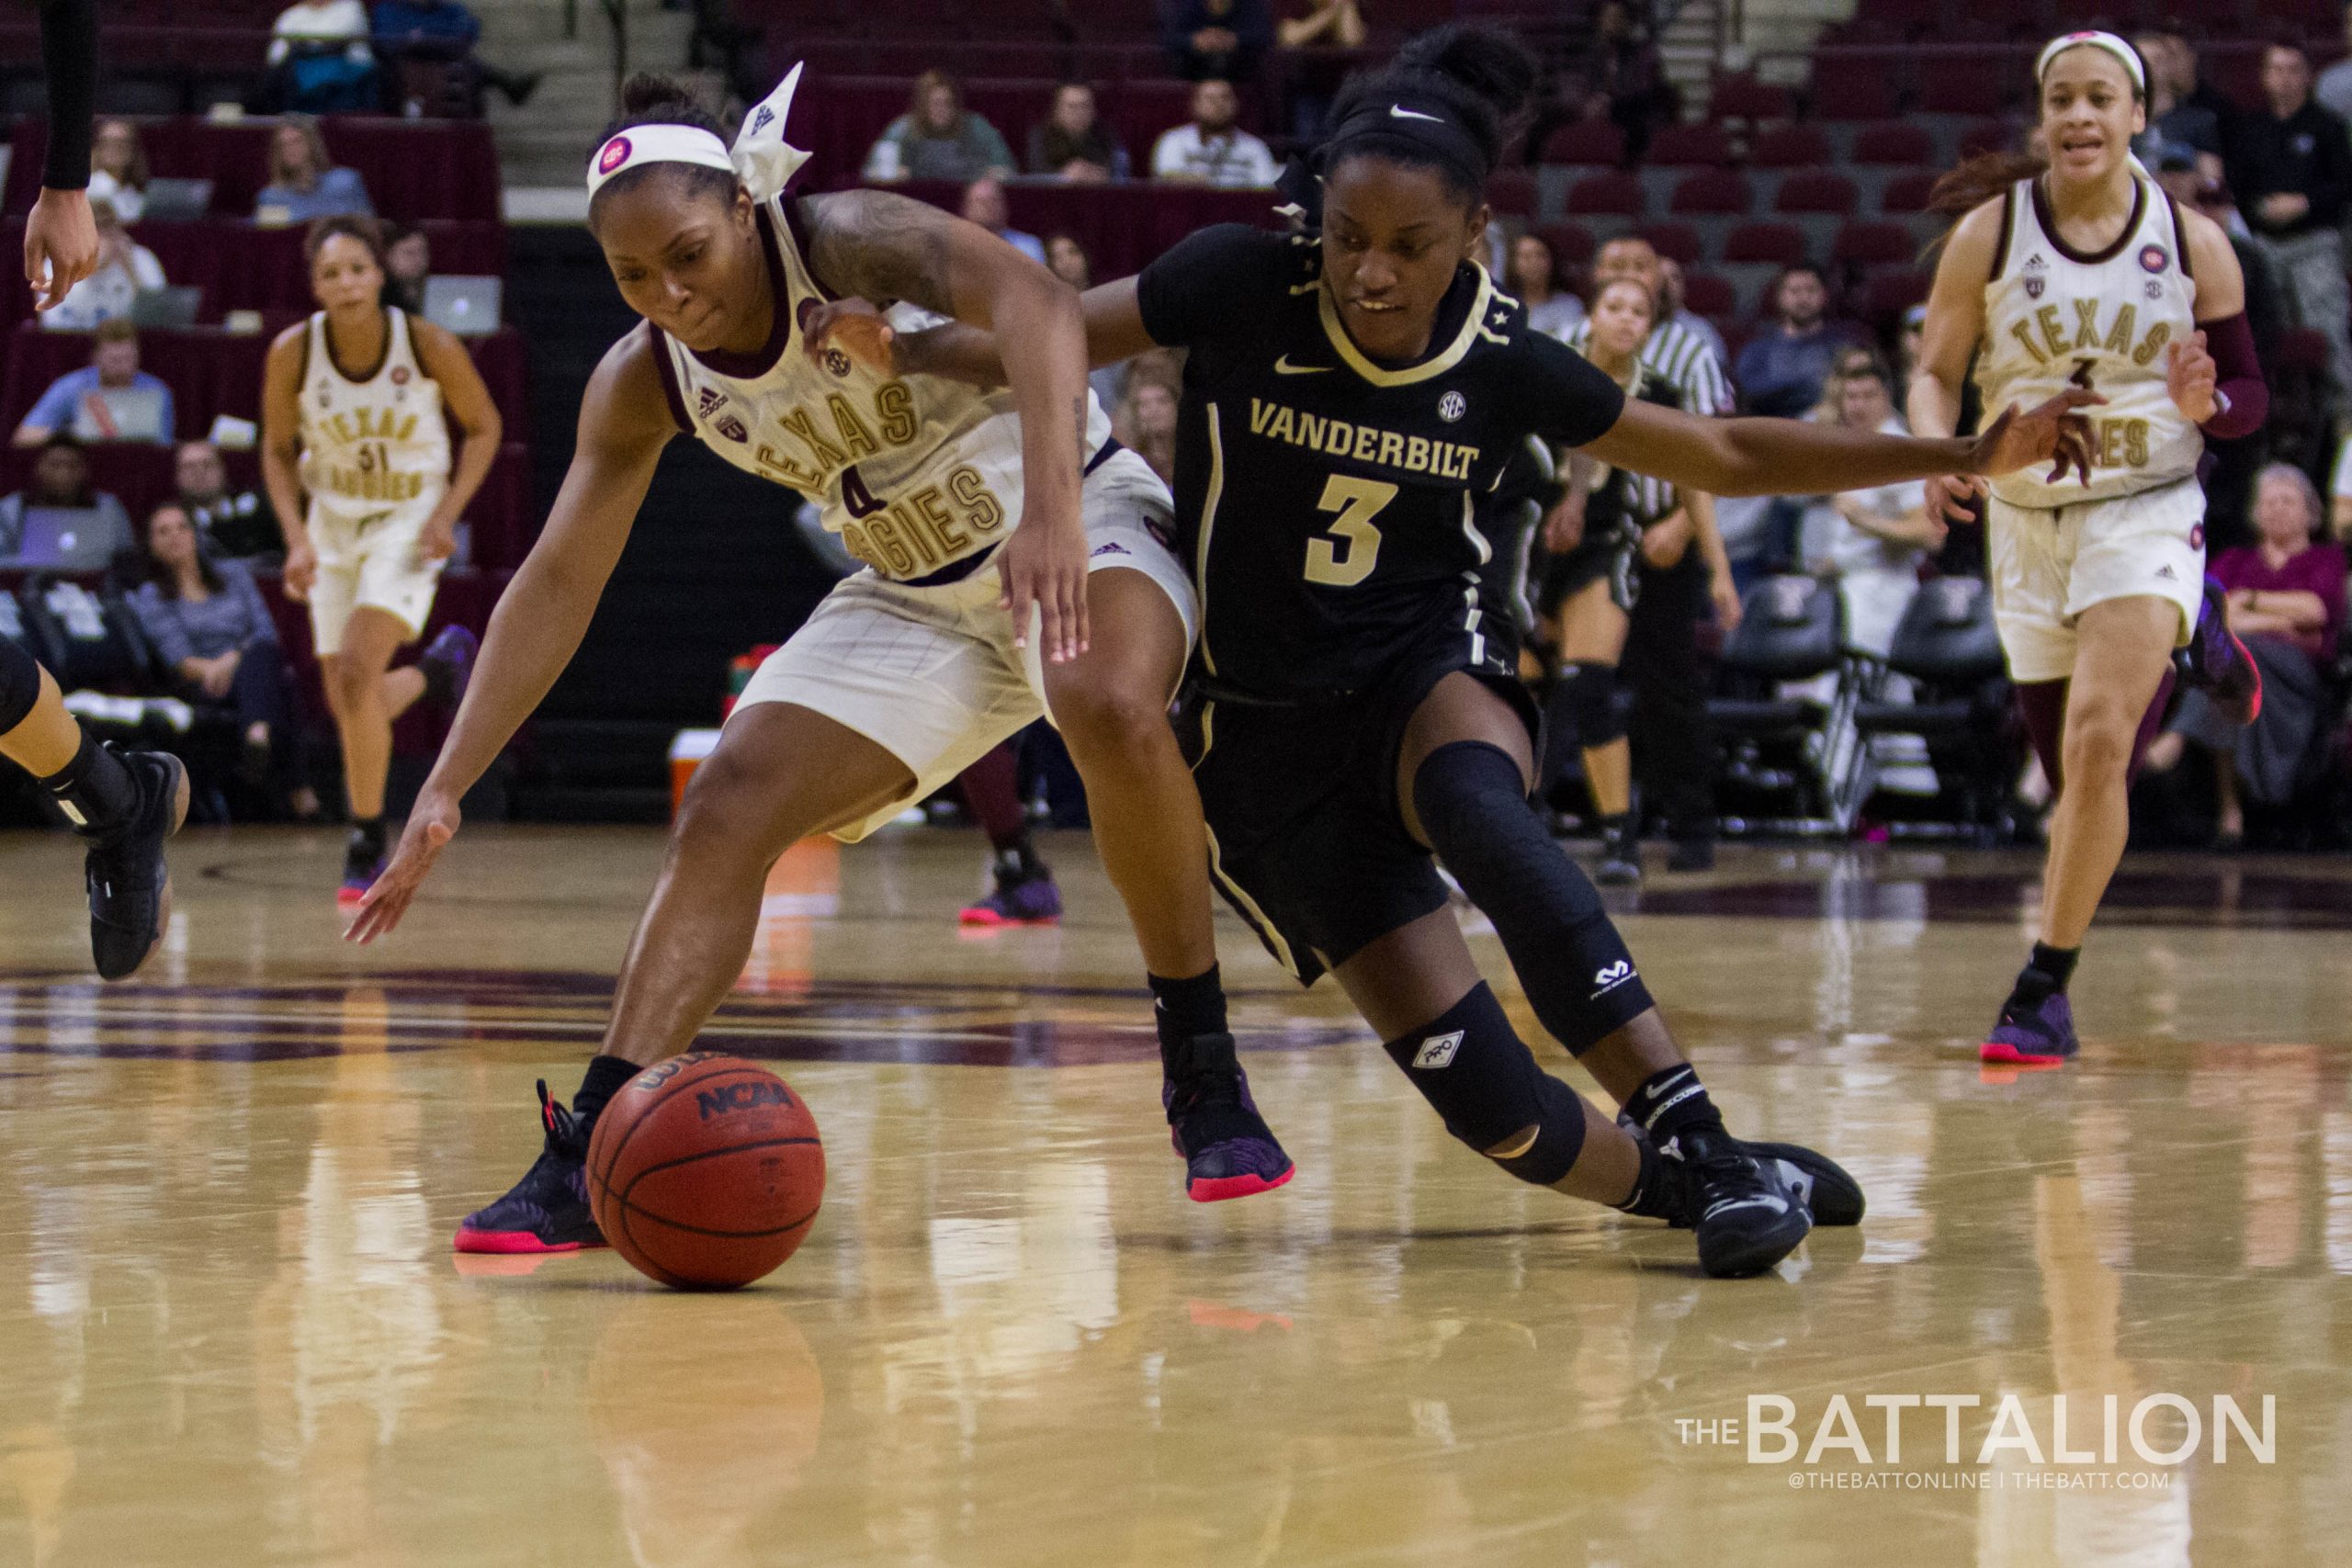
[647,98]
[1491,63]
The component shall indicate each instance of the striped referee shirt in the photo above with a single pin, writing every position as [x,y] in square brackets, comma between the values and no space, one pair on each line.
[1683,359]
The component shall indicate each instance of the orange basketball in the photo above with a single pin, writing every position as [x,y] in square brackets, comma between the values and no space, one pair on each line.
[706,1171]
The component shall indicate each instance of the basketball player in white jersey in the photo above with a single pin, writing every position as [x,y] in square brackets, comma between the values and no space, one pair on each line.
[355,454]
[2077,270]
[979,515]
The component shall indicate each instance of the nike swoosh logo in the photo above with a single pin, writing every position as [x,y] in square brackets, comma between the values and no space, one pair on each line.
[1398,111]
[1724,1206]
[1283,366]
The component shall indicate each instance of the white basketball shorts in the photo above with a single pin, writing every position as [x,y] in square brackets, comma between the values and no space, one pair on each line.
[370,562]
[2050,566]
[931,674]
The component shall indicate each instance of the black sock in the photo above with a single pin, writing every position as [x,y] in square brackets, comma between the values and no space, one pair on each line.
[368,836]
[1617,826]
[95,790]
[440,680]
[605,1077]
[1672,1102]
[2045,974]
[1190,1017]
[1658,1190]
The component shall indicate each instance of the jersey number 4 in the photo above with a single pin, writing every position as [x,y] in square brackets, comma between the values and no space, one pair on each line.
[856,497]
[1346,555]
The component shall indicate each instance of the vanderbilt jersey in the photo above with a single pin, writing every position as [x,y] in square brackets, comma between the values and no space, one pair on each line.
[375,444]
[1326,504]
[915,473]
[2056,317]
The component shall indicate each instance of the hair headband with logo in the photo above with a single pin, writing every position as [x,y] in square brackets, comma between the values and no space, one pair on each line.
[2107,41]
[1424,121]
[761,158]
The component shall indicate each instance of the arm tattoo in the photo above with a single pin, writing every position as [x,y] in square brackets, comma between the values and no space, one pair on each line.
[881,246]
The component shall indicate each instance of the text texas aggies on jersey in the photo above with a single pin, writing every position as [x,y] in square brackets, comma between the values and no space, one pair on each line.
[1324,501]
[917,474]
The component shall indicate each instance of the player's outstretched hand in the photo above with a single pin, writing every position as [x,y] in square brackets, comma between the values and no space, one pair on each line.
[431,825]
[61,245]
[435,542]
[1564,525]
[1044,564]
[2192,378]
[849,326]
[2057,431]
[1952,497]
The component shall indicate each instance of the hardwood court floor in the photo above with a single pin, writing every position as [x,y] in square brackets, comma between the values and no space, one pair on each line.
[231,1332]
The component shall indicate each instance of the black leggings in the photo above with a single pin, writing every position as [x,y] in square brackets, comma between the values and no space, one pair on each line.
[1674,744]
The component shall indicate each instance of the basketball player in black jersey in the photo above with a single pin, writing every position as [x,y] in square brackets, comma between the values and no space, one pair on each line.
[1349,393]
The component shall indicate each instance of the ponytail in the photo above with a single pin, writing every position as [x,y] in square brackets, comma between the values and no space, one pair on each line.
[1980,180]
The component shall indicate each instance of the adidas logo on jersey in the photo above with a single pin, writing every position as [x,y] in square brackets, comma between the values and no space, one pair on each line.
[1438,1051]
[710,402]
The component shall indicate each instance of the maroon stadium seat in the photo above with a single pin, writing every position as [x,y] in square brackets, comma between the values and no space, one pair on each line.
[1595,142]
[1791,147]
[1713,191]
[1782,245]
[1890,291]
[1708,295]
[1989,136]
[1599,194]
[1876,245]
[1815,190]
[1894,143]
[1908,193]
[1688,147]
[1511,192]
[1745,98]
[1572,243]
[1968,84]
[1674,240]
[1852,87]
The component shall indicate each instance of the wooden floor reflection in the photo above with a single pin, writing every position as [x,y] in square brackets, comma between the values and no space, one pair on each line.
[230,1330]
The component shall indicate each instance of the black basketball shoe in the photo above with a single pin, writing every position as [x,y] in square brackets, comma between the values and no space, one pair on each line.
[130,887]
[1743,1210]
[1227,1149]
[1830,1195]
[547,1210]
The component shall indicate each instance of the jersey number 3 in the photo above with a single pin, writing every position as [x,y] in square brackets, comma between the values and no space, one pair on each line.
[1345,556]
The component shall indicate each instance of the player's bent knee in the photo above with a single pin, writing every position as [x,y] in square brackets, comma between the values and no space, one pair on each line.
[1478,1075]
[1591,702]
[1116,716]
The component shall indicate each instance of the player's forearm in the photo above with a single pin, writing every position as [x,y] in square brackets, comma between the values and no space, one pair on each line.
[285,489]
[477,450]
[1932,406]
[1042,336]
[1786,457]
[69,57]
[1701,507]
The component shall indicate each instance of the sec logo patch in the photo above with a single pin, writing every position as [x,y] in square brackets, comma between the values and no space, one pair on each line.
[1452,407]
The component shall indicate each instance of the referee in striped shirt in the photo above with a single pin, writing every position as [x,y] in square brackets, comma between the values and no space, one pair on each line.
[1674,744]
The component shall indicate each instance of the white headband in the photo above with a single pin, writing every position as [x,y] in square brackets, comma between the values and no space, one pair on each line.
[2107,41]
[761,158]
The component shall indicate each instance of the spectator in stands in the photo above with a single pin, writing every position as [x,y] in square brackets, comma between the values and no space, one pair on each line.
[1674,310]
[1072,142]
[319,60]
[407,262]
[304,181]
[1310,81]
[118,169]
[212,631]
[2340,494]
[110,399]
[2290,169]
[1222,39]
[1535,276]
[984,205]
[1619,77]
[1782,369]
[234,525]
[1210,148]
[1145,418]
[2175,118]
[938,138]
[1908,339]
[2287,603]
[125,268]
[61,477]
[2185,85]
[1871,541]
[445,30]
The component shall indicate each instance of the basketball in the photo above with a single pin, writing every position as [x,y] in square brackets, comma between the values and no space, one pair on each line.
[706,1171]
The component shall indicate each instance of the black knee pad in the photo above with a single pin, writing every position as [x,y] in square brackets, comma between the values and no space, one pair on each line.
[20,684]
[1574,966]
[1588,702]
[1476,1073]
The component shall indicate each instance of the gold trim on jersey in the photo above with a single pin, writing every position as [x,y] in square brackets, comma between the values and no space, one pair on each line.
[1208,526]
[1473,321]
